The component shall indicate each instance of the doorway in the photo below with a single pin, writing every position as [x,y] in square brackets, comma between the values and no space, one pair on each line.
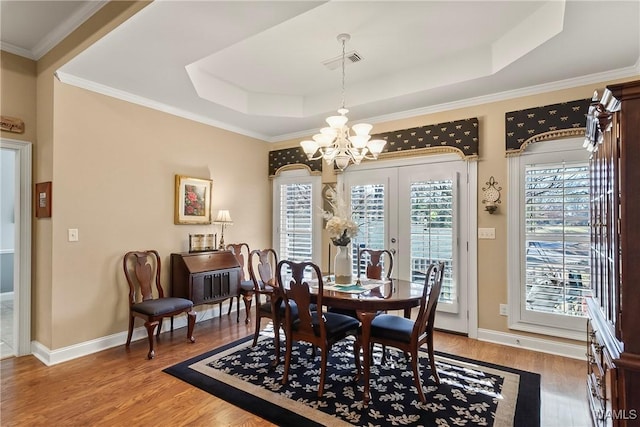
[15,248]
[421,210]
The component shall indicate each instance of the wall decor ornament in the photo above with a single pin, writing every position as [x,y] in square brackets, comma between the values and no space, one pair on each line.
[491,195]
[192,200]
[43,200]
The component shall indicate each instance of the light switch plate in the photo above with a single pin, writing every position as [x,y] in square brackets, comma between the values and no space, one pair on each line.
[486,233]
[73,234]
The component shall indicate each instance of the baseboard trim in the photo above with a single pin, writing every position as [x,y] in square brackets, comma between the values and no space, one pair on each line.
[535,344]
[53,357]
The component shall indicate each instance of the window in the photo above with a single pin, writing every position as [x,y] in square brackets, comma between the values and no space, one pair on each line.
[296,216]
[549,239]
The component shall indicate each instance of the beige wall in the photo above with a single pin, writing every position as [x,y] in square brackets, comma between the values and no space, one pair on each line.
[114,167]
[18,94]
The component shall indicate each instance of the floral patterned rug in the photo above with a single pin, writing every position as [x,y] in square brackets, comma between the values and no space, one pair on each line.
[471,393]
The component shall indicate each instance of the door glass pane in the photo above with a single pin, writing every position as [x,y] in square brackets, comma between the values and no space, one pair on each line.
[296,215]
[557,238]
[367,210]
[432,232]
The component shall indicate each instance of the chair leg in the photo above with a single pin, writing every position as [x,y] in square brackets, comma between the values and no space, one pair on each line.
[415,365]
[276,341]
[256,332]
[159,327]
[150,327]
[323,370]
[131,320]
[432,360]
[287,359]
[248,299]
[230,305]
[191,323]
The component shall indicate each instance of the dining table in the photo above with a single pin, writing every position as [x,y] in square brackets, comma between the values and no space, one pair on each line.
[368,297]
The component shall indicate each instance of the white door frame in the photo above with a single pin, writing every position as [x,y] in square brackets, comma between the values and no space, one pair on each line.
[472,222]
[22,255]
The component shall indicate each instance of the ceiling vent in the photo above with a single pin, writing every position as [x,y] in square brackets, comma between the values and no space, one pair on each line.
[350,58]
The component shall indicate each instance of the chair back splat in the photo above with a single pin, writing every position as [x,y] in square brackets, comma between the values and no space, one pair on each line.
[375,263]
[241,251]
[142,271]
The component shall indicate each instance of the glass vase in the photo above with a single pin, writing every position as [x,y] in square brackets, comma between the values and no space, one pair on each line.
[343,264]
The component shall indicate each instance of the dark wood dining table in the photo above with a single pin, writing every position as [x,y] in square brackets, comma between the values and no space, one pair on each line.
[392,294]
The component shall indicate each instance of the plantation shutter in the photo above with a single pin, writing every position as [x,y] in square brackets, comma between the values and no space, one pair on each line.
[432,232]
[557,238]
[296,222]
[367,210]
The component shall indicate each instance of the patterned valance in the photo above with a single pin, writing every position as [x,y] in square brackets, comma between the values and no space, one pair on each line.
[564,120]
[459,136]
[291,158]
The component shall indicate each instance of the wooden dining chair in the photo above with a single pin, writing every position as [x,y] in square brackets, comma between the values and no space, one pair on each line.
[409,335]
[262,271]
[319,328]
[241,252]
[142,271]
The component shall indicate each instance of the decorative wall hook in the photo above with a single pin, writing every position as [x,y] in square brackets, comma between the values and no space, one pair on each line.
[491,195]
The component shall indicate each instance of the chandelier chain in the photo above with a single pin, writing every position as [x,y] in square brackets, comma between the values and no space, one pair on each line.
[343,73]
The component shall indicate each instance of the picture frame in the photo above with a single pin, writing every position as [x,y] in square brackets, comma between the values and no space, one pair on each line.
[192,200]
[43,200]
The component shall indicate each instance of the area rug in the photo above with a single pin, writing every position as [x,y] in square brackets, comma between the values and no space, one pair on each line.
[471,393]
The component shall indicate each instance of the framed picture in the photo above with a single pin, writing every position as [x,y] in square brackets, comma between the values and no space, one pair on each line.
[193,200]
[43,200]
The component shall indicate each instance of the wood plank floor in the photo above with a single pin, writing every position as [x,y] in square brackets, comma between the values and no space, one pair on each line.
[116,387]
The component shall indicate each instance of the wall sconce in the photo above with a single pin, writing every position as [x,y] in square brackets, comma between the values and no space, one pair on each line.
[491,196]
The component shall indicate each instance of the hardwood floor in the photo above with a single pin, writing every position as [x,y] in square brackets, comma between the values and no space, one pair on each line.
[117,387]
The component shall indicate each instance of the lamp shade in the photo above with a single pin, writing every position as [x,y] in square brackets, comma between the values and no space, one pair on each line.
[223,217]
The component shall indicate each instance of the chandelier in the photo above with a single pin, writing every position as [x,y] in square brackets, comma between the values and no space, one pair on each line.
[337,143]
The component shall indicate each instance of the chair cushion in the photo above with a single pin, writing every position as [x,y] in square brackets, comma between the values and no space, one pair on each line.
[335,323]
[246,286]
[266,308]
[392,327]
[160,306]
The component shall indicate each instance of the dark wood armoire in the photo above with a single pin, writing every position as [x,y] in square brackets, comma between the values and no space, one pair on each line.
[613,351]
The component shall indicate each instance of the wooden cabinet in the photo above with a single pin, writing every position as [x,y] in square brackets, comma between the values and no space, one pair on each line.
[205,277]
[613,352]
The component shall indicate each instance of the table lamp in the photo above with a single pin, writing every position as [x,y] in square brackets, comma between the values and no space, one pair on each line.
[223,219]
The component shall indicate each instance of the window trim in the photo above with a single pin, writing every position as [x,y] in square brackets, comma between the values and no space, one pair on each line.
[552,325]
[299,176]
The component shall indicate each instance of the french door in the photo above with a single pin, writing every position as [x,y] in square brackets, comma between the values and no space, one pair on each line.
[420,212]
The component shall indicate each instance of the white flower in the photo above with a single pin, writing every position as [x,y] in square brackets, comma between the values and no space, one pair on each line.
[340,226]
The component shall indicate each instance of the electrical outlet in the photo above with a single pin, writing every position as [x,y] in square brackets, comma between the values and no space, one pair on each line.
[486,233]
[503,309]
[73,234]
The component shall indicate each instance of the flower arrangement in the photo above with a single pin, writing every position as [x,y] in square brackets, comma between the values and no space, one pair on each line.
[340,226]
